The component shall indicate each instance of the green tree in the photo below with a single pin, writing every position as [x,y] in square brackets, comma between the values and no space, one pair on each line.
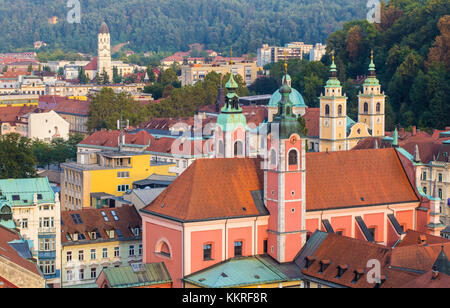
[42,152]
[116,77]
[82,77]
[16,157]
[107,107]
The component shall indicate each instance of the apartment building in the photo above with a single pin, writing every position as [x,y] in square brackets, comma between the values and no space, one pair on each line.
[272,54]
[36,212]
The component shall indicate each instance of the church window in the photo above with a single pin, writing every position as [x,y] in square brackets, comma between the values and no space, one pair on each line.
[288,110]
[293,157]
[207,248]
[340,110]
[164,250]
[366,108]
[238,148]
[238,248]
[440,193]
[378,107]
[327,110]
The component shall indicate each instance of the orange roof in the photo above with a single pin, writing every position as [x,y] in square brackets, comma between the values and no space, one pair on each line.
[334,180]
[203,189]
[8,252]
[92,65]
[311,117]
[414,238]
[107,138]
[93,220]
[11,114]
[356,178]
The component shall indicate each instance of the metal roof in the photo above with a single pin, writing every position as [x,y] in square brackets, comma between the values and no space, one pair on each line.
[126,277]
[245,271]
[20,192]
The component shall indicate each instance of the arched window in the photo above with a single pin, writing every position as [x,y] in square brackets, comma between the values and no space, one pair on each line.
[339,110]
[366,108]
[238,147]
[293,157]
[327,110]
[378,107]
[163,249]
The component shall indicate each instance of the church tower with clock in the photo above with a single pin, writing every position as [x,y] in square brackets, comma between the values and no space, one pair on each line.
[104,51]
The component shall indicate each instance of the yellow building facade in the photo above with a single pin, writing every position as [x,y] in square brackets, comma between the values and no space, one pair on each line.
[99,175]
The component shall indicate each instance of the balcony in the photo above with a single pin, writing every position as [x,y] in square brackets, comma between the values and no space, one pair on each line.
[46,255]
[46,230]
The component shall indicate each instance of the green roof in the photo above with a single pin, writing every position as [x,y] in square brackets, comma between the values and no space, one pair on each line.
[229,121]
[237,272]
[21,192]
[148,274]
[295,97]
[82,286]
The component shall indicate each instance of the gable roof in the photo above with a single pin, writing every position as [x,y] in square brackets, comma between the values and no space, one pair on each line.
[356,178]
[92,220]
[334,180]
[203,189]
[9,242]
[92,65]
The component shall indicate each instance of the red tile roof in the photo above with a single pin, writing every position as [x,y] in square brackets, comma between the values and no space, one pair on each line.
[417,257]
[356,178]
[334,180]
[414,238]
[92,65]
[10,114]
[311,117]
[8,252]
[354,254]
[93,220]
[425,281]
[110,138]
[203,189]
[62,104]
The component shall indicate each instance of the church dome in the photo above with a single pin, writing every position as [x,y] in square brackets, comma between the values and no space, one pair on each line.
[103,28]
[295,97]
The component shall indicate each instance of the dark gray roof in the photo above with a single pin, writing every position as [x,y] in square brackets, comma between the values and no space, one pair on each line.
[364,229]
[258,197]
[310,247]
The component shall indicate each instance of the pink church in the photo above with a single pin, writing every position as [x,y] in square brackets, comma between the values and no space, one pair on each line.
[233,205]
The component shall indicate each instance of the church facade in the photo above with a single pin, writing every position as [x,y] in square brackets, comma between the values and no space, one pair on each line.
[239,205]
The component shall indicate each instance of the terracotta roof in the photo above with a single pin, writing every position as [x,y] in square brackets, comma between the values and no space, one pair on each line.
[8,252]
[414,238]
[356,178]
[92,65]
[417,257]
[311,117]
[62,104]
[92,220]
[12,114]
[369,143]
[426,281]
[203,189]
[354,255]
[335,180]
[110,138]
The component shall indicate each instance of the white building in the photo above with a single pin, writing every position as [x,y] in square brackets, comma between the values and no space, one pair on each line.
[47,126]
[317,52]
[37,213]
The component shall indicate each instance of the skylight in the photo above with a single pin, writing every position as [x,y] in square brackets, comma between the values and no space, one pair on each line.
[115,216]
[104,216]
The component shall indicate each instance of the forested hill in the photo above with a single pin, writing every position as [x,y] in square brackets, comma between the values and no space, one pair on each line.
[171,25]
[412,57]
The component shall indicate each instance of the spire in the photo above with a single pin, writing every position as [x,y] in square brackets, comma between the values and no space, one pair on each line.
[416,154]
[395,138]
[333,81]
[231,84]
[103,28]
[442,263]
[372,71]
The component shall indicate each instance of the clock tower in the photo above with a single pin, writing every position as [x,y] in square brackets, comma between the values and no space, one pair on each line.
[104,51]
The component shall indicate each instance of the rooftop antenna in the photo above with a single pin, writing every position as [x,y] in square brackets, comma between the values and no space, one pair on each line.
[121,124]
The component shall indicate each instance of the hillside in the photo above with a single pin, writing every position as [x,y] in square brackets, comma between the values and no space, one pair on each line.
[411,46]
[154,25]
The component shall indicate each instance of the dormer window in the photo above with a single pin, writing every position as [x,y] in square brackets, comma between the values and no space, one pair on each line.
[75,237]
[309,260]
[323,265]
[341,268]
[93,235]
[357,274]
[136,231]
[111,233]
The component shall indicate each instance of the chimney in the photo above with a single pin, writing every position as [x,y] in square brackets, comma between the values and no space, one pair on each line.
[414,130]
[416,154]
[434,273]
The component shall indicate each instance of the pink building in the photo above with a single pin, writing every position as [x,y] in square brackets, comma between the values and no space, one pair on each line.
[229,207]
